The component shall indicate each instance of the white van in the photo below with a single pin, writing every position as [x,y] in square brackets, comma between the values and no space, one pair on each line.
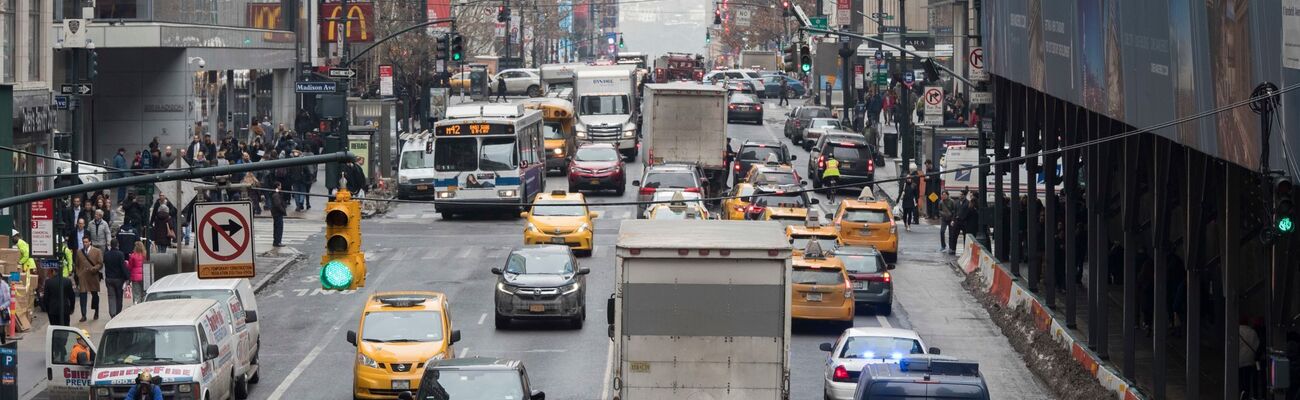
[188,344]
[415,172]
[237,296]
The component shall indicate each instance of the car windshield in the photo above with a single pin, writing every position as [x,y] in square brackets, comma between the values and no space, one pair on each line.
[604,154]
[849,152]
[164,345]
[559,209]
[824,123]
[210,294]
[412,159]
[801,242]
[756,153]
[787,200]
[552,130]
[880,347]
[860,264]
[677,180]
[741,99]
[553,263]
[866,216]
[455,154]
[816,276]
[777,178]
[402,326]
[469,384]
[604,105]
[498,154]
[669,213]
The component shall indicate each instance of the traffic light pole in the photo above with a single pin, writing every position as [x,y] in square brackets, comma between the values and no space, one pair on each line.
[905,123]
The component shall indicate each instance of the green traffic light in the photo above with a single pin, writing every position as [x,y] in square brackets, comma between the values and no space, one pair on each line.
[335,275]
[455,56]
[1285,225]
[806,67]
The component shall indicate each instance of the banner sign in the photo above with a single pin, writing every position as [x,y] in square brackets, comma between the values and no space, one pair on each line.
[42,228]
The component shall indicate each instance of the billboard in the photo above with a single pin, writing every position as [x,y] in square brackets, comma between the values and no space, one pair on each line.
[360,25]
[438,9]
[1149,62]
[269,16]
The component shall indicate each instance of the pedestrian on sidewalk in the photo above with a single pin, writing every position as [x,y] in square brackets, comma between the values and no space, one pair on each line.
[162,232]
[785,95]
[99,232]
[501,89]
[5,300]
[908,197]
[119,165]
[115,275]
[135,271]
[945,220]
[887,104]
[59,297]
[959,215]
[277,216]
[90,263]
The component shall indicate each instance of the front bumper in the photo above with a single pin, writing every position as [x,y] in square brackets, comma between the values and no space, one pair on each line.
[466,205]
[170,391]
[412,190]
[525,305]
[377,383]
[622,144]
[823,313]
[556,162]
[575,240]
[608,180]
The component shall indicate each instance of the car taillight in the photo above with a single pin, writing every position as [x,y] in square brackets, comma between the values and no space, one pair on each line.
[885,277]
[733,106]
[755,209]
[882,278]
[871,165]
[841,374]
[758,107]
[821,162]
[737,167]
[692,190]
[848,289]
[647,191]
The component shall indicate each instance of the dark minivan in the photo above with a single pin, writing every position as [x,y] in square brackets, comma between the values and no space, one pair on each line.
[856,157]
[922,376]
[801,118]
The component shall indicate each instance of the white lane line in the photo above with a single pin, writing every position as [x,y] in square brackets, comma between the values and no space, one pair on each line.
[482,318]
[884,322]
[594,249]
[302,365]
[463,352]
[609,371]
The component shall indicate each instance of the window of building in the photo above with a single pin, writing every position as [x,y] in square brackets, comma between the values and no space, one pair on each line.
[9,40]
[110,9]
[36,27]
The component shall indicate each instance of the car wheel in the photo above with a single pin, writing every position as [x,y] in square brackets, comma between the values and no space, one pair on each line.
[886,309]
[447,216]
[502,322]
[534,91]
[622,188]
[576,322]
[759,121]
[239,388]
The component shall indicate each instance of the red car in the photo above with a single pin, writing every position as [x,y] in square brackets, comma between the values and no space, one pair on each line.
[597,166]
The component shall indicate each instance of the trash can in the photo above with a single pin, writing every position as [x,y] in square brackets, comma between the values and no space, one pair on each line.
[891,145]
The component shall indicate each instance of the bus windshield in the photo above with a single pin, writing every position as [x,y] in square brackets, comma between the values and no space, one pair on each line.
[604,105]
[455,154]
[552,131]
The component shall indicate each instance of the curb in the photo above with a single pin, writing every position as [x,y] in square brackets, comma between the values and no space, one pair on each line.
[276,273]
[1010,293]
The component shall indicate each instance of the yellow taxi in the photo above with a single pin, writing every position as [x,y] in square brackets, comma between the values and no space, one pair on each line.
[812,228]
[400,333]
[560,218]
[867,221]
[787,216]
[737,201]
[772,174]
[680,208]
[821,290]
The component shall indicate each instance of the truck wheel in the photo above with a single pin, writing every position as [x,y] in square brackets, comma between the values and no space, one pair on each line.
[502,322]
[534,91]
[447,216]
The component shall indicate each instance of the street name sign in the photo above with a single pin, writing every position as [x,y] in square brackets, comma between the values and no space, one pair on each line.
[315,87]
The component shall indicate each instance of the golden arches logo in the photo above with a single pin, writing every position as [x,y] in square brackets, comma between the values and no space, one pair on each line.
[359,13]
[268,16]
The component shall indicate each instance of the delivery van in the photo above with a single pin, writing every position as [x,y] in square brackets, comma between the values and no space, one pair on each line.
[188,344]
[237,296]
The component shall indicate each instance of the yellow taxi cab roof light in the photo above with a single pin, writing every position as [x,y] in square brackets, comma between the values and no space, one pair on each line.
[867,195]
[403,302]
[813,250]
[813,221]
[559,193]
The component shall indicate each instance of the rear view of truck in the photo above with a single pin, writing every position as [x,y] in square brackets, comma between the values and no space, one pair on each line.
[701,310]
[686,123]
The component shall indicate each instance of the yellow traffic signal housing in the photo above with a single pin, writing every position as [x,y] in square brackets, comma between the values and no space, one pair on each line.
[343,266]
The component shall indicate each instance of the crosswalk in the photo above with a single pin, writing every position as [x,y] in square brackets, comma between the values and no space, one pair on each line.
[296,232]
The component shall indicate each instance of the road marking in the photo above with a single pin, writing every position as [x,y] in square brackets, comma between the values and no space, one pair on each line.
[594,249]
[884,322]
[302,365]
[482,318]
[609,371]
[463,352]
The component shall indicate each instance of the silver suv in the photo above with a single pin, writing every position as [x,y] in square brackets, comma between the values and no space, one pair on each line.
[667,177]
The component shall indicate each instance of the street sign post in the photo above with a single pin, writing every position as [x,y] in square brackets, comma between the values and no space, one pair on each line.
[976,60]
[60,102]
[385,80]
[225,240]
[818,22]
[933,97]
[67,88]
[859,76]
[981,98]
[43,228]
[342,73]
[315,87]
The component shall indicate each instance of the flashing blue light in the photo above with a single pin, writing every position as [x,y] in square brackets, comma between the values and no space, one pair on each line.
[896,356]
[869,354]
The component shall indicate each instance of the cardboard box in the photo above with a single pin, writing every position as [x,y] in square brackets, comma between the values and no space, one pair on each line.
[10,256]
[4,241]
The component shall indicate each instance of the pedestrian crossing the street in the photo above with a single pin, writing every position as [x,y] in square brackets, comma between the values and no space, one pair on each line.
[296,232]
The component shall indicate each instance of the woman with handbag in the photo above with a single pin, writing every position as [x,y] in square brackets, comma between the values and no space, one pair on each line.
[135,271]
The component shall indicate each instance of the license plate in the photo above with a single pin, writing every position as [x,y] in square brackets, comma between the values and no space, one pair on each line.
[595,181]
[857,284]
[537,308]
[421,187]
[402,385]
[864,231]
[814,296]
[557,240]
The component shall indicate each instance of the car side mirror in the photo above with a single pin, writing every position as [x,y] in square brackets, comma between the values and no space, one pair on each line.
[352,337]
[891,266]
[813,201]
[591,215]
[584,271]
[211,352]
[934,350]
[636,183]
[455,336]
[792,158]
[609,310]
[804,183]
[250,316]
[523,214]
[537,395]
[827,347]
[830,216]
[496,271]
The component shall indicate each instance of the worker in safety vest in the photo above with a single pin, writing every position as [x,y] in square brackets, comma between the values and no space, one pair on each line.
[24,254]
[831,176]
[67,260]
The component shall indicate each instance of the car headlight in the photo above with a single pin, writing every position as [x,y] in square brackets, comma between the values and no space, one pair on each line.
[403,179]
[580,131]
[103,392]
[366,361]
[185,388]
[570,288]
[629,131]
[446,194]
[558,151]
[584,227]
[507,193]
[501,287]
[532,228]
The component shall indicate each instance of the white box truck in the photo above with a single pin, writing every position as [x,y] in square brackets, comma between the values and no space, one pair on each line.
[701,310]
[760,60]
[607,107]
[686,122]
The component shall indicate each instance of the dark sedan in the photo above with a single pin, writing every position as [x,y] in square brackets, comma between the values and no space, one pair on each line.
[541,282]
[597,166]
[869,275]
[744,108]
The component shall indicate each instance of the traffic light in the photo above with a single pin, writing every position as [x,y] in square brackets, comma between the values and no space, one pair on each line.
[785,8]
[717,16]
[791,58]
[931,72]
[457,47]
[343,266]
[503,14]
[93,65]
[805,59]
[707,38]
[441,54]
[620,41]
[1283,203]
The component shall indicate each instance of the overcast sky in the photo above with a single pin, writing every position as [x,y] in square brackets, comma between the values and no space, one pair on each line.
[659,26]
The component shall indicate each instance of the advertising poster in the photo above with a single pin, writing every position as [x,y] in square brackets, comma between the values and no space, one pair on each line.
[359,145]
[1291,34]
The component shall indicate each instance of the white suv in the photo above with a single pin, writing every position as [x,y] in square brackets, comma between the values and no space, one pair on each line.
[519,81]
[747,75]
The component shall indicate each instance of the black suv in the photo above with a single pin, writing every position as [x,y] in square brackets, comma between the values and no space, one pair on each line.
[475,378]
[756,152]
[541,282]
[856,157]
[799,119]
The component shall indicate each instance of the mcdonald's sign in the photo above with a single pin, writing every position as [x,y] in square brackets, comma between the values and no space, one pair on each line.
[359,15]
[267,16]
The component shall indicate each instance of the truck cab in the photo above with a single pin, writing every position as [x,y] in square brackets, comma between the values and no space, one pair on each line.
[607,107]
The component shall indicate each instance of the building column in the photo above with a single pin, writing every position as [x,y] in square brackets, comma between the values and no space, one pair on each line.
[283,100]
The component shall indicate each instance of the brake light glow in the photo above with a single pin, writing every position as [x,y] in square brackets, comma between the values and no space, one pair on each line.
[737,167]
[758,107]
[753,209]
[733,106]
[692,190]
[871,165]
[821,162]
[841,374]
[647,191]
[886,277]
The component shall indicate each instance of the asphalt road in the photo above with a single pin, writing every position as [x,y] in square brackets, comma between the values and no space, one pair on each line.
[305,354]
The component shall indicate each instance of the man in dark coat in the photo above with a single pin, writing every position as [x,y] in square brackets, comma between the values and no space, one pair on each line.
[355,176]
[59,298]
[278,210]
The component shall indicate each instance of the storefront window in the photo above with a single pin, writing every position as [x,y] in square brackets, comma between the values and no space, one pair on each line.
[8,41]
[120,9]
[35,27]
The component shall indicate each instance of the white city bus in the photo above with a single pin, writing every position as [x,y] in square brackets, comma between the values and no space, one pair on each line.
[488,157]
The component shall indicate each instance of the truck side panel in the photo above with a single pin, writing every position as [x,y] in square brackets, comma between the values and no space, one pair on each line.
[703,310]
[687,127]
[717,366]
